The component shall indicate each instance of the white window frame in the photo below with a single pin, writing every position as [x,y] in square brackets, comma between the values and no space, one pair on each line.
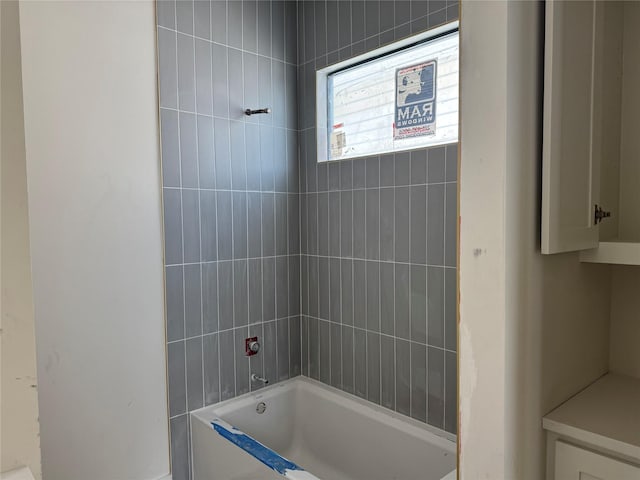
[322,145]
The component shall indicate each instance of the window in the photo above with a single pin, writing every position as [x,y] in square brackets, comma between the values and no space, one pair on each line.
[402,97]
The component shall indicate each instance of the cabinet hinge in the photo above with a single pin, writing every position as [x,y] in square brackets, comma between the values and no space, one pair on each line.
[600,215]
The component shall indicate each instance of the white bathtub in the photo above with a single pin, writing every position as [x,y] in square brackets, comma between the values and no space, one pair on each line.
[329,434]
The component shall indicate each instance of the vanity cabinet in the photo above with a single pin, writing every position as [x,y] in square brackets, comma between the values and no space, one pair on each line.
[575,463]
[596,434]
[591,204]
[591,131]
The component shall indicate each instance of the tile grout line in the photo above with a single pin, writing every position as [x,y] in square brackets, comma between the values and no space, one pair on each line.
[215,197]
[246,216]
[366,292]
[445,267]
[195,86]
[228,117]
[339,262]
[233,243]
[189,446]
[225,330]
[184,323]
[410,286]
[414,342]
[444,292]
[379,274]
[275,203]
[426,290]
[395,333]
[227,45]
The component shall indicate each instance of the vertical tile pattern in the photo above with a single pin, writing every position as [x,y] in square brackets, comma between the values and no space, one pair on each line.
[180,446]
[231,200]
[258,234]
[388,223]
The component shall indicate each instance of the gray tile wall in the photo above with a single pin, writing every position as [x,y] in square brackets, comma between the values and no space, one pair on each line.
[257,233]
[378,235]
[231,202]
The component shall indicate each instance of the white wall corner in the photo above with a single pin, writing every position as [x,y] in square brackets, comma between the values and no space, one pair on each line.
[20,429]
[533,328]
[89,77]
[482,329]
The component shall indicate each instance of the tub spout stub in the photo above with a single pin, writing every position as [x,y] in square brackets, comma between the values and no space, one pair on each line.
[257,378]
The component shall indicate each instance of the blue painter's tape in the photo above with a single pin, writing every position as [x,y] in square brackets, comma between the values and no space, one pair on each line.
[267,456]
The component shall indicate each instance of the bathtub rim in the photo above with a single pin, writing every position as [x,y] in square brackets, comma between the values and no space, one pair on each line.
[439,438]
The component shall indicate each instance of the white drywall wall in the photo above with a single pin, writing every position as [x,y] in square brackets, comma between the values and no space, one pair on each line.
[483,83]
[625,303]
[630,140]
[624,357]
[533,328]
[611,73]
[20,432]
[91,130]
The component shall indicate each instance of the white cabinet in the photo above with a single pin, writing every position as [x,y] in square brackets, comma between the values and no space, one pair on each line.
[591,119]
[595,435]
[571,127]
[575,463]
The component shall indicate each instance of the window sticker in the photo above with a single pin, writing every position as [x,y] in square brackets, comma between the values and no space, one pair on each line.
[338,140]
[415,112]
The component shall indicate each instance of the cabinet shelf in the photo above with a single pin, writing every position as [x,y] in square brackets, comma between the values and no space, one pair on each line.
[606,414]
[617,253]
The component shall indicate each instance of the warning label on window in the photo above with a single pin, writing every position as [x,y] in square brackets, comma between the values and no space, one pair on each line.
[338,141]
[415,112]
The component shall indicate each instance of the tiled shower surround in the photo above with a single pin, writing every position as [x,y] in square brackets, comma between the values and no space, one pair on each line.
[378,236]
[379,280]
[230,193]
[347,270]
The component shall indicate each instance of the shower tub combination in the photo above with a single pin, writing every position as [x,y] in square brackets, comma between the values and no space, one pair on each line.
[302,429]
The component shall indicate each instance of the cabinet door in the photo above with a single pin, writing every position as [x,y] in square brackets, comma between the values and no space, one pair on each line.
[573,463]
[572,125]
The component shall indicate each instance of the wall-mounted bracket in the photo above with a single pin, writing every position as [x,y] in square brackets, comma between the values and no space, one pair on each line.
[248,112]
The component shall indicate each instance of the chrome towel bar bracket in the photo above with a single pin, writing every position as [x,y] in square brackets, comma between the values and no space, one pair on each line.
[250,112]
